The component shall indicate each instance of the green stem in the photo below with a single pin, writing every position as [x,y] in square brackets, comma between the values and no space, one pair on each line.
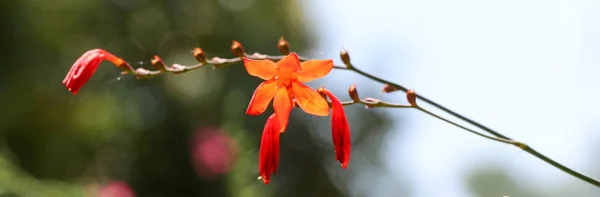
[222,62]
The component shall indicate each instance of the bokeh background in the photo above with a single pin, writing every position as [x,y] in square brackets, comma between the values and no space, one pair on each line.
[526,68]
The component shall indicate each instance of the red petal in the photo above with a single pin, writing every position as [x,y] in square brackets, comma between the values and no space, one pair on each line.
[83,68]
[262,97]
[314,69]
[288,65]
[309,100]
[282,105]
[340,130]
[269,149]
[264,69]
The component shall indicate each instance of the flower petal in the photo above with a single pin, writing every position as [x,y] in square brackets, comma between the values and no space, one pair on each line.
[262,97]
[264,69]
[314,69]
[309,100]
[269,149]
[82,69]
[282,105]
[340,130]
[288,65]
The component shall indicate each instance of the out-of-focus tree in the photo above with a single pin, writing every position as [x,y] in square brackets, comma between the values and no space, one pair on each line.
[142,132]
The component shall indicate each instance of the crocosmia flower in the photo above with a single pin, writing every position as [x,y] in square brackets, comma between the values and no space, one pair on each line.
[269,149]
[340,131]
[283,81]
[86,65]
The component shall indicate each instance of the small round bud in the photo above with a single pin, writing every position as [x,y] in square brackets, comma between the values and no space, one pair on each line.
[387,88]
[321,91]
[345,57]
[158,64]
[199,55]
[284,46]
[411,96]
[125,67]
[237,49]
[353,93]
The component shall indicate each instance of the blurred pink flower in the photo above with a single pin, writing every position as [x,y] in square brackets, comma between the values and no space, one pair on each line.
[116,189]
[213,152]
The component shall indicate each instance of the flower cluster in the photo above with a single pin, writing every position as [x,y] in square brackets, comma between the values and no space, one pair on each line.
[283,84]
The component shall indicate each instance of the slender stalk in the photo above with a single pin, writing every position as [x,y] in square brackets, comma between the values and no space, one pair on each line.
[218,62]
[502,140]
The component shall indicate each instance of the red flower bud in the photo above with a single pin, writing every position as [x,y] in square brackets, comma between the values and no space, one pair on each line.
[345,57]
[269,149]
[340,130]
[237,49]
[199,55]
[353,93]
[283,46]
[387,88]
[411,96]
[83,69]
[158,64]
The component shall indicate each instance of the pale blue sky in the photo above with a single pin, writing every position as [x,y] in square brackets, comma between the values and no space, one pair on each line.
[527,68]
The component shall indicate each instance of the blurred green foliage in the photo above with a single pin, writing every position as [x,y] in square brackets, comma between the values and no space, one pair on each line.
[140,131]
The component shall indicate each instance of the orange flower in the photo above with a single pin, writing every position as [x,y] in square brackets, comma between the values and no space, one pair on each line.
[284,81]
[269,149]
[340,131]
[86,65]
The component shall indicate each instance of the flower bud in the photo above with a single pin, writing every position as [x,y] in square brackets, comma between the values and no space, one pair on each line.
[387,88]
[411,96]
[125,68]
[353,93]
[345,57]
[199,55]
[237,49]
[322,93]
[158,64]
[284,46]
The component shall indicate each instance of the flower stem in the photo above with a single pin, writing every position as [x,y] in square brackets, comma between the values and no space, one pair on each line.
[217,62]
[498,135]
[502,140]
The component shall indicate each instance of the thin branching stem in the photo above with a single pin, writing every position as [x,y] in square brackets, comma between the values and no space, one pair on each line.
[218,62]
[502,140]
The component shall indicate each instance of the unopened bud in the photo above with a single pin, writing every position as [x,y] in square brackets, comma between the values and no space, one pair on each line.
[158,64]
[125,67]
[237,49]
[387,88]
[345,57]
[353,93]
[284,46]
[411,96]
[199,55]
[321,91]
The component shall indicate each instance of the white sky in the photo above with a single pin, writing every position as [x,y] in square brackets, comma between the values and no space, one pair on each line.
[527,68]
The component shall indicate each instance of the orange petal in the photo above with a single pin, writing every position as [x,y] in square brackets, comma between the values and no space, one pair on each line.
[314,69]
[288,65]
[264,69]
[262,97]
[309,100]
[269,149]
[282,105]
[340,130]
